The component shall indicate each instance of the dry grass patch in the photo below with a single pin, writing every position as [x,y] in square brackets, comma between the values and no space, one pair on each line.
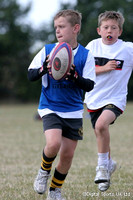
[21,143]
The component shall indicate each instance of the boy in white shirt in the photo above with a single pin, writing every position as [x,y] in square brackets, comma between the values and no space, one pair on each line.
[114,65]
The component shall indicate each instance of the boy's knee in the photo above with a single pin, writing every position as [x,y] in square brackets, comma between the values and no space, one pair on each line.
[100,128]
[68,155]
[53,147]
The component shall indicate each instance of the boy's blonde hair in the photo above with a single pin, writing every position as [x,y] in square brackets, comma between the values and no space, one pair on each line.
[111,15]
[73,17]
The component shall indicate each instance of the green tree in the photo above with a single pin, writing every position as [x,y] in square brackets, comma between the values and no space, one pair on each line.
[15,56]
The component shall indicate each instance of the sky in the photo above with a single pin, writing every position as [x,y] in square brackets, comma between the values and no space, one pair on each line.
[43,10]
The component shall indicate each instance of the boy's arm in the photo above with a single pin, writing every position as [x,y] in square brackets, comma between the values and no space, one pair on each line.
[35,74]
[109,66]
[85,84]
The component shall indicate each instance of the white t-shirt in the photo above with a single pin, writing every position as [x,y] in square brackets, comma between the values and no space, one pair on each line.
[111,87]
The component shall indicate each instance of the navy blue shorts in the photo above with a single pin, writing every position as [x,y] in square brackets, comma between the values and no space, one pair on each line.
[71,128]
[95,115]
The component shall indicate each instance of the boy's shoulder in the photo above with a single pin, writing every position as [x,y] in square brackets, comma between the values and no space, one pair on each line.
[129,44]
[82,48]
[49,47]
[120,42]
[94,42]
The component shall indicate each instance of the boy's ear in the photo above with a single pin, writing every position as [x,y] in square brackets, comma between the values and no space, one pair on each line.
[120,32]
[98,31]
[76,28]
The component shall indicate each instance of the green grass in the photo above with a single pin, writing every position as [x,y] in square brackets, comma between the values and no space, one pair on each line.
[21,144]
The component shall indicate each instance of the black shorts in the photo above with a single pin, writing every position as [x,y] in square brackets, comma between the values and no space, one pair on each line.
[95,115]
[71,128]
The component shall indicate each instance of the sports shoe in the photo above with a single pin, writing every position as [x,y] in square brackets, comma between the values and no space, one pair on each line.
[40,183]
[102,174]
[104,186]
[55,194]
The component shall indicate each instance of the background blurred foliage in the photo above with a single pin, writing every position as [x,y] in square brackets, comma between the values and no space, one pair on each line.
[17,39]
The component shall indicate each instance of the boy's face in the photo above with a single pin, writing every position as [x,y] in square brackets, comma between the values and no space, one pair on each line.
[65,32]
[109,31]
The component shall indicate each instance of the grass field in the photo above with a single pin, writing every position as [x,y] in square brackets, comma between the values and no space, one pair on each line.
[21,144]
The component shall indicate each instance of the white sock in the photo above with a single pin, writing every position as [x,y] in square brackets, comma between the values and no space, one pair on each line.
[103,159]
[110,163]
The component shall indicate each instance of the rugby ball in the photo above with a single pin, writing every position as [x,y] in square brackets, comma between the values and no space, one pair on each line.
[61,59]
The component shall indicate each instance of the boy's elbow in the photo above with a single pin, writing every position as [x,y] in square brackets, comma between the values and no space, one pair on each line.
[90,86]
[29,76]
[33,75]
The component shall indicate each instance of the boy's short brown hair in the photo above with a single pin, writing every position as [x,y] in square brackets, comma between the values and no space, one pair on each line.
[74,17]
[111,15]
